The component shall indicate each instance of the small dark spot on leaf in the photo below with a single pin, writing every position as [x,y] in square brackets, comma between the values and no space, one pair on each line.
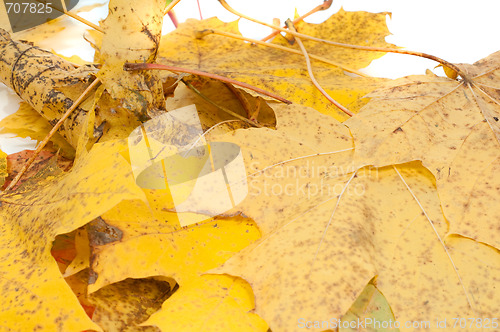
[92,277]
[100,233]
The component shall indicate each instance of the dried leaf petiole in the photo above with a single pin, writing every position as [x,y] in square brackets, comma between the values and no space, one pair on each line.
[311,74]
[156,66]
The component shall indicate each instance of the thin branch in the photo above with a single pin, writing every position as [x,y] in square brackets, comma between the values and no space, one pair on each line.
[170,6]
[224,109]
[200,34]
[311,74]
[156,66]
[356,47]
[173,18]
[325,5]
[77,102]
[199,9]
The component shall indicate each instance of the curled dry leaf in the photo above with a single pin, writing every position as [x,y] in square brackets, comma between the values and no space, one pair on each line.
[35,75]
[454,128]
[223,96]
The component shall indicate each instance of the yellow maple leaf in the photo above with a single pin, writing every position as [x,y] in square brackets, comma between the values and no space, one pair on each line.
[454,128]
[210,303]
[329,228]
[152,243]
[31,281]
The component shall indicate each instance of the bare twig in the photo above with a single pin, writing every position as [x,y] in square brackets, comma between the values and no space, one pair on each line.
[356,47]
[200,34]
[311,74]
[199,9]
[173,18]
[156,66]
[325,5]
[51,133]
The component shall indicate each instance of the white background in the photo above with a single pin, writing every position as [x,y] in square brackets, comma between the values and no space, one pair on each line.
[456,30]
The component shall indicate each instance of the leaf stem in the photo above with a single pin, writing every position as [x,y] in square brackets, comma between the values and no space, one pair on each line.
[325,5]
[77,102]
[156,66]
[173,18]
[170,6]
[311,74]
[356,47]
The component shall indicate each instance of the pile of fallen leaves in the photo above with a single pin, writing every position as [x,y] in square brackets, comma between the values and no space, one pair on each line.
[390,215]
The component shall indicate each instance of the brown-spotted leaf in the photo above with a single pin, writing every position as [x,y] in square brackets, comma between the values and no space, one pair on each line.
[210,303]
[46,166]
[280,72]
[124,305]
[132,35]
[329,228]
[454,128]
[141,241]
[30,279]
